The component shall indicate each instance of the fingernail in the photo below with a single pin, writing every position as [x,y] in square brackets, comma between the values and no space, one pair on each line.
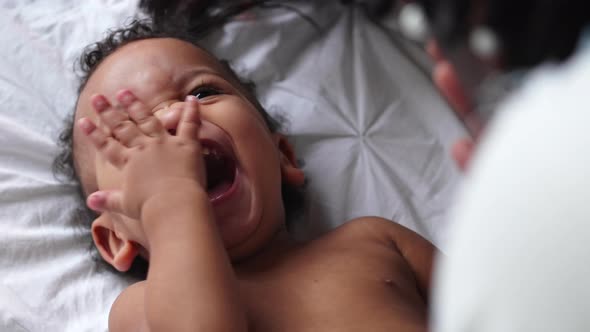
[191,98]
[95,200]
[126,97]
[85,125]
[99,103]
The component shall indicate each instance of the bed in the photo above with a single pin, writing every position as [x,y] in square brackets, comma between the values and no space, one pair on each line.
[370,128]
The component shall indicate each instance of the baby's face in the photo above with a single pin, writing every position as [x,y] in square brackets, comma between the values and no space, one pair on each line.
[243,158]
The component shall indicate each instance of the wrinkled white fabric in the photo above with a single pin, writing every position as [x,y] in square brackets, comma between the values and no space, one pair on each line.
[372,131]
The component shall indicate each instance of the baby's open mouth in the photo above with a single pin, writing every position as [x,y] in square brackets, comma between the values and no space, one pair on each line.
[221,170]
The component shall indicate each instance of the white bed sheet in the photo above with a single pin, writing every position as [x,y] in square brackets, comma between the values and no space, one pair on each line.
[372,131]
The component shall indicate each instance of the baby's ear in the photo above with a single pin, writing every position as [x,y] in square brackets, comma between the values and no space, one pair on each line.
[290,172]
[114,247]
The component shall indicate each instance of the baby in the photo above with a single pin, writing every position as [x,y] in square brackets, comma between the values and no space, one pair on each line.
[185,170]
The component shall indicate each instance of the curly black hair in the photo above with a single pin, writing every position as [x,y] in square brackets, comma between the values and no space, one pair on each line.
[64,166]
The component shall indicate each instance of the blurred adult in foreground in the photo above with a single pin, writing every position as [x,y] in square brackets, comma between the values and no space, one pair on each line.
[517,251]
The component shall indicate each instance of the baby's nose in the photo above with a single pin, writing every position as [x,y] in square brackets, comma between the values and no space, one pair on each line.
[170,115]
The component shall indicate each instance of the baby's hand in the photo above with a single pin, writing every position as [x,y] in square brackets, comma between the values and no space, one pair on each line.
[152,162]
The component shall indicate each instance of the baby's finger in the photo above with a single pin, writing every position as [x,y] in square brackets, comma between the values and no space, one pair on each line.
[106,145]
[110,117]
[190,122]
[141,115]
[117,121]
[106,201]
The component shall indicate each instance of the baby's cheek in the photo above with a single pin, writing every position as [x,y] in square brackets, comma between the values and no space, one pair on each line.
[260,152]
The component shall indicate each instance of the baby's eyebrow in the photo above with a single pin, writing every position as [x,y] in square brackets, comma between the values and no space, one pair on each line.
[192,73]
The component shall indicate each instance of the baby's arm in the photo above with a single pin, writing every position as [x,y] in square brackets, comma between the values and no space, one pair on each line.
[191,284]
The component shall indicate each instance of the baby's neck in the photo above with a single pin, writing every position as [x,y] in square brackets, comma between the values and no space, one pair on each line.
[280,244]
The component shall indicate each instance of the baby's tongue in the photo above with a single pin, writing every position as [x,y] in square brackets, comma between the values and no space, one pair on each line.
[219,189]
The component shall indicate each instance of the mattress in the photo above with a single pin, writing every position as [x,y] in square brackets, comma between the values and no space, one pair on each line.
[370,128]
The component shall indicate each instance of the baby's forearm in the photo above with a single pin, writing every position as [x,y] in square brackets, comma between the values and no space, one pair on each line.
[191,285]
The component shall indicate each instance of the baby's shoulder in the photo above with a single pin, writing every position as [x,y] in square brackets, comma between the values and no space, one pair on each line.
[378,231]
[358,246]
[375,228]
[360,233]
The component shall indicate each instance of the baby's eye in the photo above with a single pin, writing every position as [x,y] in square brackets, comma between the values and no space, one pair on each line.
[205,91]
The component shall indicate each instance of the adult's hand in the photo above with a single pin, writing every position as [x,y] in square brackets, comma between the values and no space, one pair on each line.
[447,81]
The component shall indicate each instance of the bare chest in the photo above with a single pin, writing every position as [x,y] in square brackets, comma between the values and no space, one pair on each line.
[364,287]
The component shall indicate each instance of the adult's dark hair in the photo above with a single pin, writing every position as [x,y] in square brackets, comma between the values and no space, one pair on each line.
[198,15]
[64,166]
[202,13]
[530,31]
